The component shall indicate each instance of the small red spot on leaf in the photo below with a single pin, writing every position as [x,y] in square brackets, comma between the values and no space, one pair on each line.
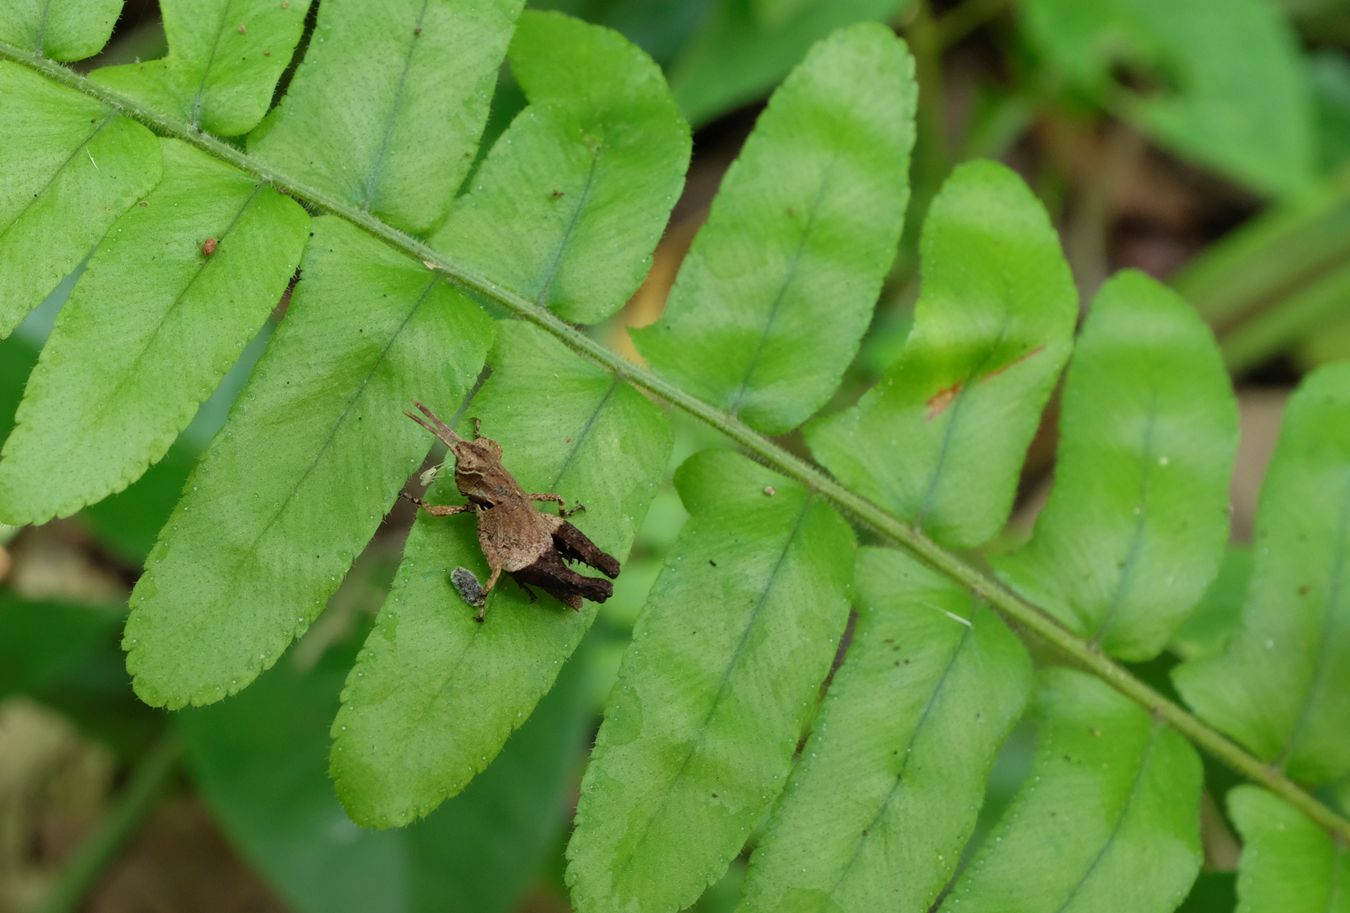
[1015,362]
[209,247]
[941,400]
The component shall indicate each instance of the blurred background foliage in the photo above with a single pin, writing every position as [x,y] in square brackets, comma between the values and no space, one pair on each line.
[1206,142]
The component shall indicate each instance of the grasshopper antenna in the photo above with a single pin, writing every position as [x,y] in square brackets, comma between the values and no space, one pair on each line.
[433,424]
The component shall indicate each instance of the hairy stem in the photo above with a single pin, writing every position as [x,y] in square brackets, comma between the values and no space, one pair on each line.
[888,526]
[148,779]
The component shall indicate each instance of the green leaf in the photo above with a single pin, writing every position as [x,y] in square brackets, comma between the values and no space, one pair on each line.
[148,332]
[396,134]
[1148,433]
[724,669]
[41,642]
[311,457]
[260,764]
[940,439]
[58,29]
[1288,863]
[776,12]
[778,288]
[1220,81]
[65,656]
[738,55]
[573,197]
[434,694]
[223,64]
[1213,892]
[888,788]
[71,167]
[1280,686]
[1107,820]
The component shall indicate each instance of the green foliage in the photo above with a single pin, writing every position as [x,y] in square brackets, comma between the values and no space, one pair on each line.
[1279,686]
[280,810]
[778,287]
[396,135]
[63,153]
[914,765]
[115,359]
[434,695]
[1107,820]
[424,258]
[940,438]
[42,642]
[701,728]
[1288,864]
[745,46]
[1217,80]
[589,170]
[67,30]
[223,62]
[1148,430]
[258,543]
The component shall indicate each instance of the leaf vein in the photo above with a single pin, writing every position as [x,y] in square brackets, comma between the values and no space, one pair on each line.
[1318,680]
[904,766]
[84,143]
[1135,783]
[738,399]
[555,265]
[382,152]
[1125,581]
[725,679]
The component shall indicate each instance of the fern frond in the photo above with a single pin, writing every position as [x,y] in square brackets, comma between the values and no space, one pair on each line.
[487,843]
[553,227]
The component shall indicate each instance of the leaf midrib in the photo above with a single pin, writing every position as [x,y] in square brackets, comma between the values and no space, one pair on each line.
[949,432]
[376,172]
[199,97]
[322,449]
[1322,661]
[1125,579]
[904,766]
[1155,729]
[866,512]
[738,398]
[132,372]
[60,169]
[659,806]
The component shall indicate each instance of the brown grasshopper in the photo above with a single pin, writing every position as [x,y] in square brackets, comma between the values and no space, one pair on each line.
[515,537]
